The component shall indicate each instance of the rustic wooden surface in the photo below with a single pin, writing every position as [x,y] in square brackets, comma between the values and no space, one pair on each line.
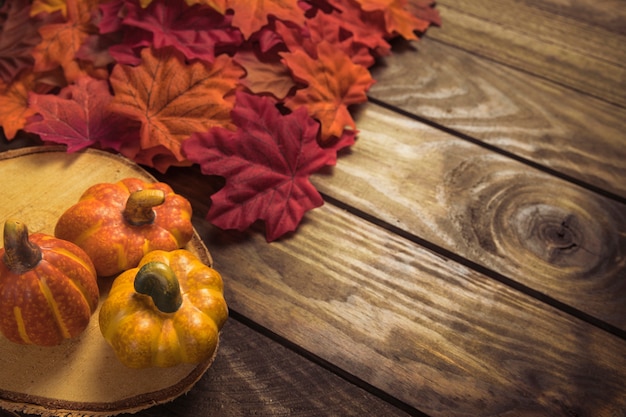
[470,259]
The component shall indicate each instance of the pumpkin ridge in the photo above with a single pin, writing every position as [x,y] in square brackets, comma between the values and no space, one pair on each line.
[77,285]
[87,233]
[21,326]
[54,307]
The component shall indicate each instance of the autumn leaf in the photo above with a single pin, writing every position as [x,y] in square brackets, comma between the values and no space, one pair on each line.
[217,5]
[14,110]
[196,31]
[364,28]
[48,6]
[110,16]
[61,41]
[424,10]
[172,99]
[397,18]
[266,163]
[77,116]
[264,77]
[333,81]
[251,15]
[18,36]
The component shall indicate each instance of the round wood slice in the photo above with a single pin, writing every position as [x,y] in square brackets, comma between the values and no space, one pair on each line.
[82,376]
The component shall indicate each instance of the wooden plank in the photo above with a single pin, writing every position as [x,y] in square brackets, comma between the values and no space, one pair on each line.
[252,375]
[435,334]
[567,131]
[543,41]
[556,238]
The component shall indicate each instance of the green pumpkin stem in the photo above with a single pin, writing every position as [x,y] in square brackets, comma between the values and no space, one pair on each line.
[138,210]
[20,254]
[159,281]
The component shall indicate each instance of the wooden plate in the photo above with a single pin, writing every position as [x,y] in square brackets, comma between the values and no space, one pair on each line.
[81,377]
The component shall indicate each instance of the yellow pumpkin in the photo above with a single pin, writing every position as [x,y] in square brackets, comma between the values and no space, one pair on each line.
[48,287]
[167,311]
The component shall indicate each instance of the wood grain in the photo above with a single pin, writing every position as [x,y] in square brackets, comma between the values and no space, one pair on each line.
[545,233]
[439,336]
[253,375]
[543,41]
[548,124]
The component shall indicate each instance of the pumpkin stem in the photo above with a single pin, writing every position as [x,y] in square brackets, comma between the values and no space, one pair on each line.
[159,281]
[20,254]
[138,210]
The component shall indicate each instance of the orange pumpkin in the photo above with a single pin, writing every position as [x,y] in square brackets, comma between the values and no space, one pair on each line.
[48,287]
[118,223]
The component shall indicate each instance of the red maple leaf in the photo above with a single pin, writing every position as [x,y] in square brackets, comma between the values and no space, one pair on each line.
[333,81]
[18,36]
[77,116]
[266,163]
[195,30]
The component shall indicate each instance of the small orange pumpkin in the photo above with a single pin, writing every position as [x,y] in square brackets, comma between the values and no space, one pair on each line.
[48,287]
[118,223]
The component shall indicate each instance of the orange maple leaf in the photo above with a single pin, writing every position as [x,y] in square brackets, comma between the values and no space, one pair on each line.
[251,15]
[264,77]
[398,19]
[333,83]
[172,99]
[14,103]
[61,41]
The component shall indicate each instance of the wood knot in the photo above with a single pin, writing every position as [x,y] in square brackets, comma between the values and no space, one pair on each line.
[560,238]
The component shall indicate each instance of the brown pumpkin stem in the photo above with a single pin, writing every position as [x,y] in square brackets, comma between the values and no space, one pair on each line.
[159,281]
[139,206]
[20,254]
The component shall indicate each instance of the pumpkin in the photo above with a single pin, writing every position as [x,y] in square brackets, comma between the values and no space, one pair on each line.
[118,223]
[167,311]
[48,287]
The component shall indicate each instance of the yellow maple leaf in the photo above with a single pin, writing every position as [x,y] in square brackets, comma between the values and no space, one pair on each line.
[48,6]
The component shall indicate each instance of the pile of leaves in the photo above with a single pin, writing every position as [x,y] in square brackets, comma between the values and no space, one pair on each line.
[255,91]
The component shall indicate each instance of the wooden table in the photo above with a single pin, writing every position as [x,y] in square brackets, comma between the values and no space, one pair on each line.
[470,259]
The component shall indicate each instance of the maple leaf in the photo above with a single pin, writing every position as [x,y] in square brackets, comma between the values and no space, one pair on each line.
[217,5]
[364,28]
[14,108]
[264,76]
[333,83]
[196,31]
[397,18]
[77,116]
[266,163]
[48,6]
[61,41]
[110,16]
[424,10]
[251,15]
[172,99]
[18,36]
